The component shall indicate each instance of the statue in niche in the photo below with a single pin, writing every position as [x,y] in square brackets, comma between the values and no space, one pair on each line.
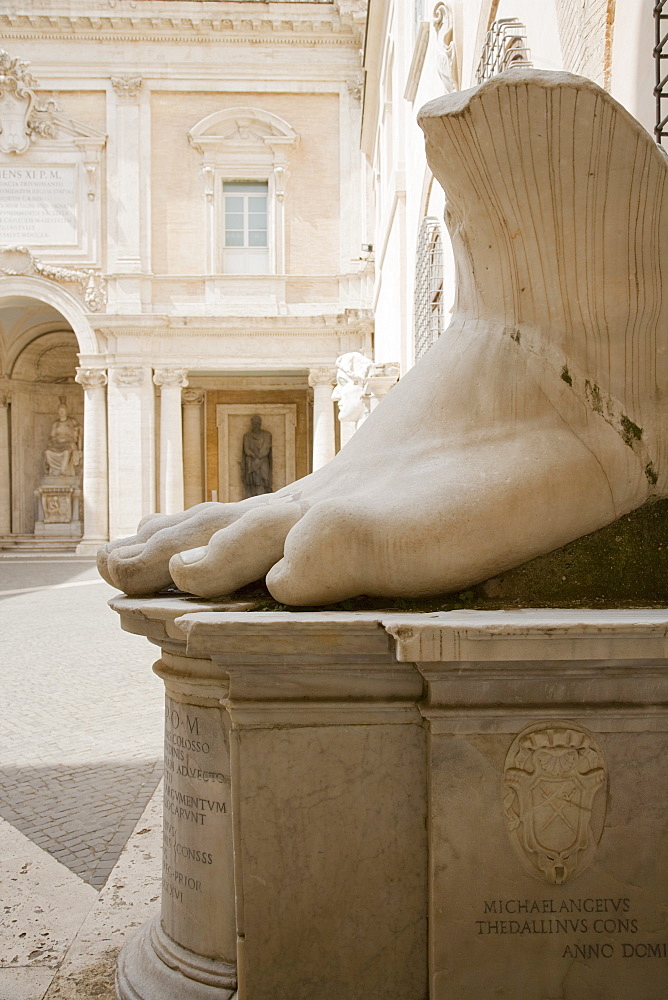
[62,455]
[256,459]
[540,414]
[447,62]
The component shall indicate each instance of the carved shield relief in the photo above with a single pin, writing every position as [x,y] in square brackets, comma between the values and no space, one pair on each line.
[14,111]
[555,797]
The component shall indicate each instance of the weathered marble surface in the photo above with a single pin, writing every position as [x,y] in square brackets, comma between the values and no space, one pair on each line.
[369,834]
[538,417]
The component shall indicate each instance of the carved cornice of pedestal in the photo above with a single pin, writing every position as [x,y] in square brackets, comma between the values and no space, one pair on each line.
[321,376]
[127,86]
[171,376]
[17,260]
[192,397]
[129,375]
[91,378]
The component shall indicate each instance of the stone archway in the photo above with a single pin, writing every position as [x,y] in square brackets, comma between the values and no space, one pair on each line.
[43,333]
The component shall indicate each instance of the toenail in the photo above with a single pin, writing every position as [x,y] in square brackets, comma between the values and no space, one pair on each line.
[192,555]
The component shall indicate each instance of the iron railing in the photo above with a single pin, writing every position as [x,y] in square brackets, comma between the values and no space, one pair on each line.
[661,65]
[428,302]
[505,46]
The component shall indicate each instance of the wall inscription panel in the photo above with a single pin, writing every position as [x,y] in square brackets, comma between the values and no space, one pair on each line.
[38,205]
[549,863]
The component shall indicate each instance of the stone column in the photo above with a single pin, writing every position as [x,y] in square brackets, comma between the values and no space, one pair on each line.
[95,486]
[131,411]
[171,381]
[193,465]
[5,484]
[324,443]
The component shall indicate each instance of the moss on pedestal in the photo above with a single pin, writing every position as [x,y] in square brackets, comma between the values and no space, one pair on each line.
[623,565]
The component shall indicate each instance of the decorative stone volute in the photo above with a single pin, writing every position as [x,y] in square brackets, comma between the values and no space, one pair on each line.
[129,376]
[127,86]
[321,376]
[91,378]
[171,377]
[192,397]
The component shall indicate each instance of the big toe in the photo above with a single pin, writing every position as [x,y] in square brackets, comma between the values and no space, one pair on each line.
[238,554]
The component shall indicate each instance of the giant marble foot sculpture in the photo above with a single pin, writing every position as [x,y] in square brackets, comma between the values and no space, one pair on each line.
[539,416]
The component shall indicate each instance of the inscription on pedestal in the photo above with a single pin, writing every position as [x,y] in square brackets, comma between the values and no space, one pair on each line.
[545,884]
[197,869]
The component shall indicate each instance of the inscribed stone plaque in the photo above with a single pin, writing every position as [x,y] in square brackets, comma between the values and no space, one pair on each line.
[38,205]
[543,886]
[197,885]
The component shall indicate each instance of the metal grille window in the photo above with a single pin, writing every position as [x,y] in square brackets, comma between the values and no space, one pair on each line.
[428,308]
[505,46]
[661,63]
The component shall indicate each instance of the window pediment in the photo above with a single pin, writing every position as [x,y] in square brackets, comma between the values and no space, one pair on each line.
[241,128]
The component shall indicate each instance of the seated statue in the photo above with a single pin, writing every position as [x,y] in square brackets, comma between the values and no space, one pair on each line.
[540,415]
[62,454]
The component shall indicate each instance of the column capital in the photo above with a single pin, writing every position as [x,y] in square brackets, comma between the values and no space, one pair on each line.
[129,375]
[4,399]
[127,86]
[91,378]
[321,376]
[171,376]
[192,397]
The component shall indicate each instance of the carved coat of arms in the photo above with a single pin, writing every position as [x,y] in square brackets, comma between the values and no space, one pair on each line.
[554,801]
[16,101]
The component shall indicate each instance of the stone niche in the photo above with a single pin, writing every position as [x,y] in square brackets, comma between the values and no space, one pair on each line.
[459,806]
[233,421]
[282,403]
[47,506]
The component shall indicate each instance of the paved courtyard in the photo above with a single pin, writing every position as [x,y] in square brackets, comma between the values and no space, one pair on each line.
[80,714]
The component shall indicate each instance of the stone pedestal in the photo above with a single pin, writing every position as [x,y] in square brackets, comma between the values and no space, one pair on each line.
[461,805]
[58,508]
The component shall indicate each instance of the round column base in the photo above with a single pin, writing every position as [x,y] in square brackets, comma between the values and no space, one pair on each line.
[153,967]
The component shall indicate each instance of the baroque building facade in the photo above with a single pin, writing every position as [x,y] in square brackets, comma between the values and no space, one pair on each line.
[204,205]
[181,215]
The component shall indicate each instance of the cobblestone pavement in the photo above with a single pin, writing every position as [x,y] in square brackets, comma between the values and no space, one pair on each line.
[80,714]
